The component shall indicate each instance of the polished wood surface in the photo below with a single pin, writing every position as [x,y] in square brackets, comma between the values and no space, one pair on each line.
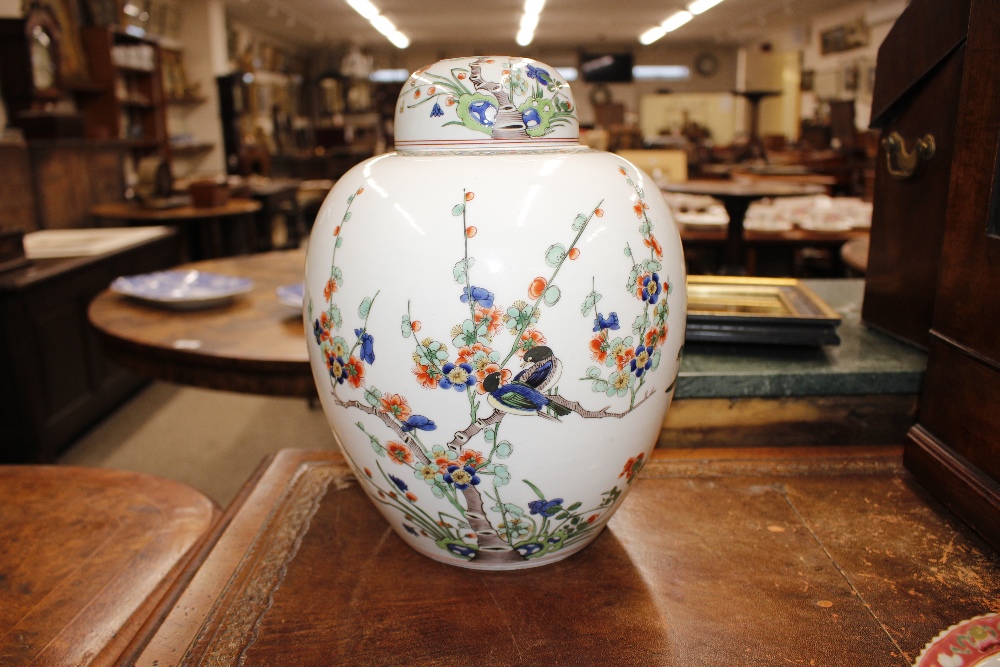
[824,556]
[737,196]
[855,254]
[254,344]
[123,210]
[955,449]
[87,557]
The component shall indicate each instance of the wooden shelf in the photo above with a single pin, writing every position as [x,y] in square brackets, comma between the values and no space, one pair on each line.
[144,143]
[134,70]
[190,149]
[192,100]
[138,104]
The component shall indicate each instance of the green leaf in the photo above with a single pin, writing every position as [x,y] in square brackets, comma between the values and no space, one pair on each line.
[574,506]
[551,295]
[336,273]
[336,316]
[656,359]
[458,210]
[652,265]
[490,434]
[561,516]
[347,216]
[630,182]
[350,199]
[340,241]
[593,372]
[600,385]
[555,255]
[406,327]
[640,324]
[372,396]
[628,251]
[437,490]
[580,222]
[461,268]
[589,302]
[538,492]
[504,449]
[366,305]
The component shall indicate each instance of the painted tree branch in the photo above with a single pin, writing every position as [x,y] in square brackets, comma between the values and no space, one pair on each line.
[462,437]
[593,414]
[509,124]
[414,446]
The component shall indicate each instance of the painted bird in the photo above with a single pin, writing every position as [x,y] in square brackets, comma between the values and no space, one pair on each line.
[519,399]
[543,369]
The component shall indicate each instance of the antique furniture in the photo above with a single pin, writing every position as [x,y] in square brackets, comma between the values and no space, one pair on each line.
[279,222]
[89,558]
[71,175]
[955,450]
[54,379]
[915,104]
[255,344]
[219,231]
[17,197]
[736,197]
[759,557]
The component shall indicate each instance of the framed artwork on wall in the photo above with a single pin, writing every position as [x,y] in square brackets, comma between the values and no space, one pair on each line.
[844,37]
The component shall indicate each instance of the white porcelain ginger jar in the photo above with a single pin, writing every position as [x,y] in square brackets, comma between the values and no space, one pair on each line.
[496,318]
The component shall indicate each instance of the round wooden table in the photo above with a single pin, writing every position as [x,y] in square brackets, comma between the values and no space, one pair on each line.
[737,196]
[254,344]
[212,231]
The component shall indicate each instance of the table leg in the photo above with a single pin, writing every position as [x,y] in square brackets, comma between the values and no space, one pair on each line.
[736,208]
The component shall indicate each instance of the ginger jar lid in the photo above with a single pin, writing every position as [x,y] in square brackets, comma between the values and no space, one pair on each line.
[485,103]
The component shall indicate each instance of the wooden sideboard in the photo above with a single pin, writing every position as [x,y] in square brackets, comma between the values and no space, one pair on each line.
[955,447]
[54,379]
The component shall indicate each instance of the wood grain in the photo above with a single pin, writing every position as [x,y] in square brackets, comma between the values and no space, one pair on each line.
[255,344]
[740,565]
[87,556]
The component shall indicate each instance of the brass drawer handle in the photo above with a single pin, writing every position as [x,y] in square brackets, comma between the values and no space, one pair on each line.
[901,163]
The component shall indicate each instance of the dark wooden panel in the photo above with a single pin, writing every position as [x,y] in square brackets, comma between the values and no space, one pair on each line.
[17,200]
[71,176]
[909,215]
[967,295]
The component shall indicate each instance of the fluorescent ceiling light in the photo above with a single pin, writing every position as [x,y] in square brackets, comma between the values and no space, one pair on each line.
[379,22]
[389,75]
[677,20]
[529,22]
[699,6]
[524,38]
[364,7]
[534,6]
[661,72]
[652,35]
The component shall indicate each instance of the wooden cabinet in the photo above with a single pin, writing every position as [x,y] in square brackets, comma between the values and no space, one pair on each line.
[54,379]
[916,96]
[130,104]
[71,175]
[955,447]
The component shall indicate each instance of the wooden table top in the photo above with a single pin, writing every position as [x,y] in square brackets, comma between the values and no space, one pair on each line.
[254,344]
[825,556]
[752,189]
[855,253]
[87,555]
[127,210]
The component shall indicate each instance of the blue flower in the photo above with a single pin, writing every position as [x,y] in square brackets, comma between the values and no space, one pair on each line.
[650,288]
[540,75]
[642,361]
[529,549]
[610,323]
[417,422]
[338,369]
[457,377]
[400,484]
[479,295]
[461,550]
[461,477]
[436,110]
[546,508]
[367,346]
[318,332]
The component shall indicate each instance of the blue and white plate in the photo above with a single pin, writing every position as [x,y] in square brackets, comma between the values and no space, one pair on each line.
[291,295]
[182,289]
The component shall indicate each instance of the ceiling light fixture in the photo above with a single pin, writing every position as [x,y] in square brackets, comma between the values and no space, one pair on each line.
[672,22]
[701,6]
[529,21]
[371,13]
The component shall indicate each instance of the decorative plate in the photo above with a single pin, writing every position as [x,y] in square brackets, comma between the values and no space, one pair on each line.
[291,295]
[971,643]
[182,289]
